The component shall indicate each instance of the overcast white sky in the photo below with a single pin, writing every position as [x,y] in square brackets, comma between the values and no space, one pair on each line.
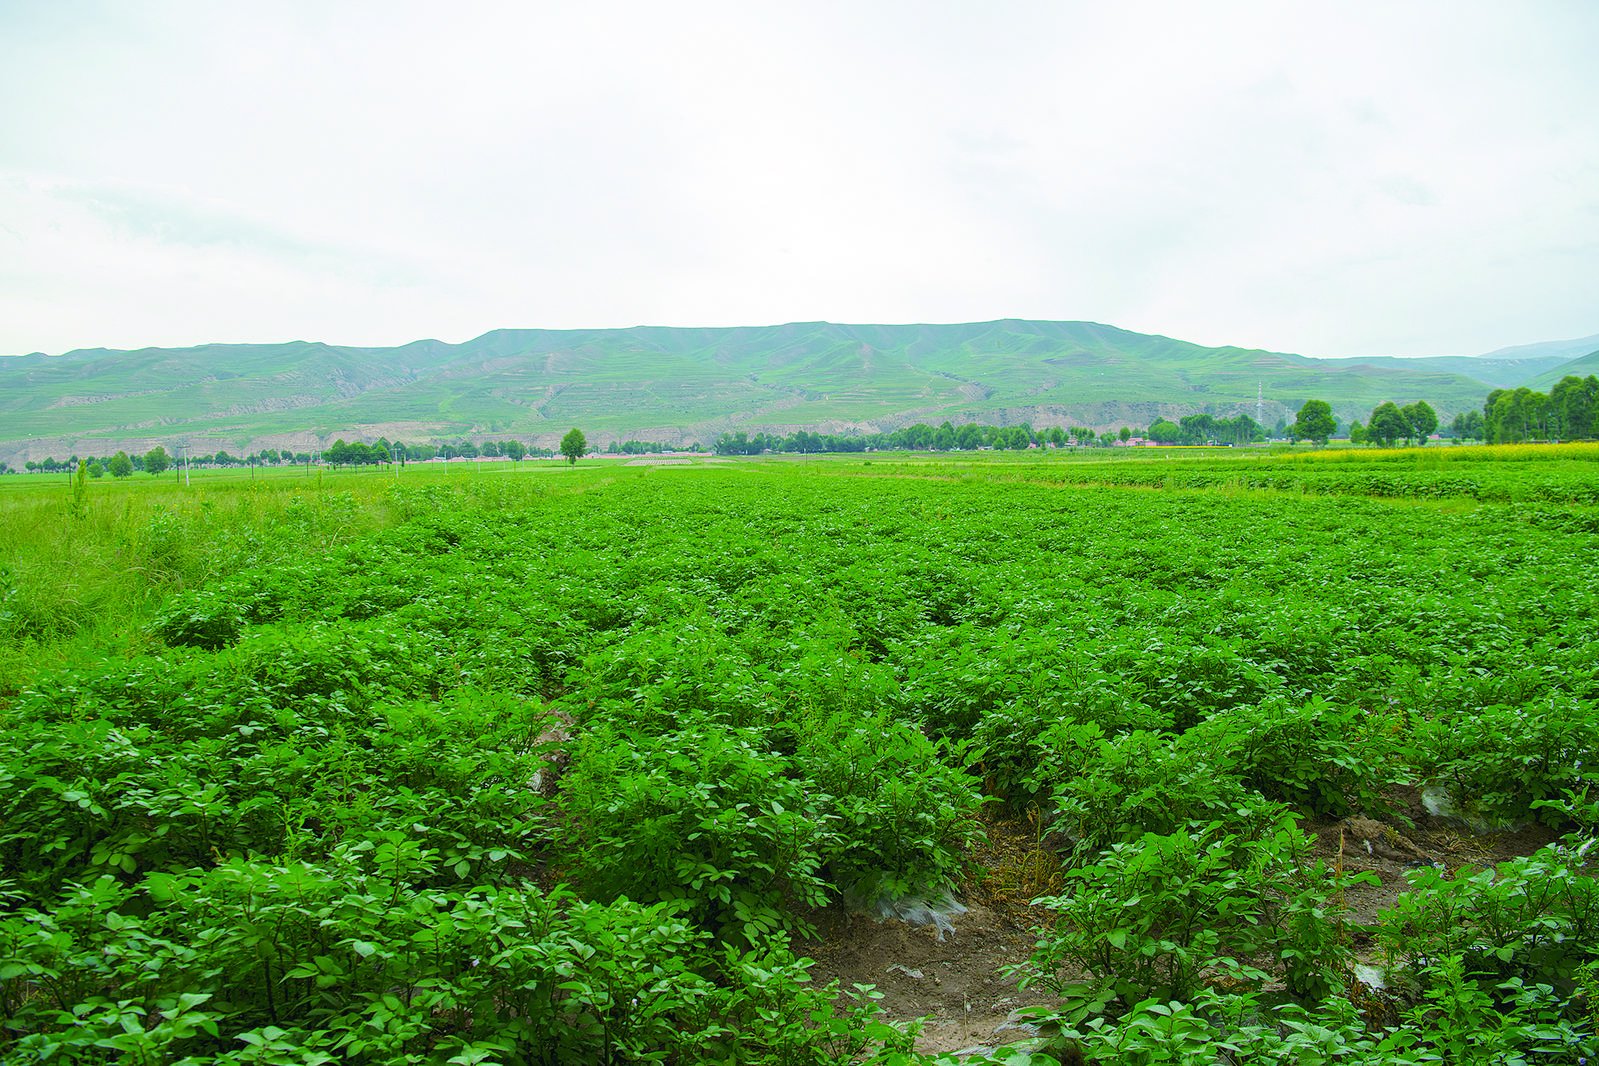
[1343,178]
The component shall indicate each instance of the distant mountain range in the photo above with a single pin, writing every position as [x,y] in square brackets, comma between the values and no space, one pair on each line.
[682,385]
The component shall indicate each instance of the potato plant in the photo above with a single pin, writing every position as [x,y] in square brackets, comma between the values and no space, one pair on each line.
[511,769]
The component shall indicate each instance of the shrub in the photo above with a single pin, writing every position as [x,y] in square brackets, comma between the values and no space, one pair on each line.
[1459,1025]
[1154,916]
[201,619]
[1499,762]
[902,819]
[347,961]
[1187,683]
[1532,919]
[703,815]
[1150,783]
[1027,748]
[1323,760]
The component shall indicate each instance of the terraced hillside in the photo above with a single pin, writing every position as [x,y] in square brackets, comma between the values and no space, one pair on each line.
[684,385]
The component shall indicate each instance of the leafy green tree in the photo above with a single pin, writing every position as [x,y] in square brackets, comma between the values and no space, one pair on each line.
[1315,421]
[726,443]
[1513,416]
[121,465]
[96,468]
[574,445]
[156,460]
[1467,425]
[514,450]
[1125,434]
[1422,418]
[357,454]
[80,489]
[1357,433]
[1164,432]
[1016,438]
[1489,426]
[1197,429]
[1574,407]
[1388,424]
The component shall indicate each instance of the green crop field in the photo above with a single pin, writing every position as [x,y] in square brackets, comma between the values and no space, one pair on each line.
[528,763]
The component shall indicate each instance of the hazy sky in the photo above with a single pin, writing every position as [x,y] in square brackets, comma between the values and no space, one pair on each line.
[1327,178]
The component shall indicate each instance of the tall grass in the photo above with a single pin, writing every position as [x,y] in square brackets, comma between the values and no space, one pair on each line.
[83,581]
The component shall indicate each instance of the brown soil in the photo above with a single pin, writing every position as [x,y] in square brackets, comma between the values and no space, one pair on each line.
[955,983]
[958,984]
[1389,849]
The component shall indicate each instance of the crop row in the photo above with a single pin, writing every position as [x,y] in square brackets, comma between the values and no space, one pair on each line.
[570,779]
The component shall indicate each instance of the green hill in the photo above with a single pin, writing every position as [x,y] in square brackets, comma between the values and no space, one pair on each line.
[686,384]
[1500,372]
[1562,350]
[1580,367]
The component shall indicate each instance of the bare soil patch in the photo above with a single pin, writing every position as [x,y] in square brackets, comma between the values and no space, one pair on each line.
[1390,849]
[958,983]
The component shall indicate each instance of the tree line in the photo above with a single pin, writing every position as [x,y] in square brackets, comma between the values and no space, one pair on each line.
[155,461]
[383,450]
[919,437]
[1569,411]
[1390,423]
[1207,429]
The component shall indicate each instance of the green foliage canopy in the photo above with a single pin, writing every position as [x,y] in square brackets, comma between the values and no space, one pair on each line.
[156,460]
[574,445]
[1315,422]
[1388,424]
